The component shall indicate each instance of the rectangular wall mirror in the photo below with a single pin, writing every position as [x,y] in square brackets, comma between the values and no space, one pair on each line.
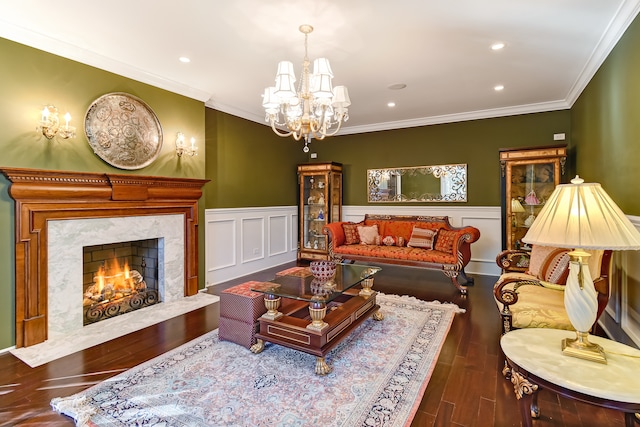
[438,183]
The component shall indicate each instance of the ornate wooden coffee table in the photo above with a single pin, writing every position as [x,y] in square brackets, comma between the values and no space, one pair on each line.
[535,359]
[322,314]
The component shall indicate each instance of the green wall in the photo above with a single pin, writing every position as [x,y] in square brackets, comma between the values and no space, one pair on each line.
[248,164]
[29,79]
[475,143]
[606,124]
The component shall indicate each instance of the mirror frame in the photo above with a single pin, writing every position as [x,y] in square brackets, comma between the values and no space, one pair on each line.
[457,172]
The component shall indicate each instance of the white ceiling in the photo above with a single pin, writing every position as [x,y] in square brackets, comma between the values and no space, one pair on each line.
[439,49]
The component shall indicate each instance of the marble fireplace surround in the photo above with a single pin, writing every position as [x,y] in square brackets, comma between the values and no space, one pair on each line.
[42,196]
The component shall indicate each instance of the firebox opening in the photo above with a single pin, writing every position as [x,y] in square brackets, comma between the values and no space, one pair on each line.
[119,278]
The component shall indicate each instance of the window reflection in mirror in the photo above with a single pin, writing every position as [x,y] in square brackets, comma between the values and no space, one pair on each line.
[438,183]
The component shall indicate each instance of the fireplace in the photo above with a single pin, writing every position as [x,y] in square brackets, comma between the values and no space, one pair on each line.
[59,213]
[118,278]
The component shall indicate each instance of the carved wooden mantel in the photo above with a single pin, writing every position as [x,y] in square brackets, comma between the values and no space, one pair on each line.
[43,195]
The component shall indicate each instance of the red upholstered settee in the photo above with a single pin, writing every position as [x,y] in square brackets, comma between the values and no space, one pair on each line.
[450,254]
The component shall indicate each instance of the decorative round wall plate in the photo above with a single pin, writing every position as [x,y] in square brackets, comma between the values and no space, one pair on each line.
[123,131]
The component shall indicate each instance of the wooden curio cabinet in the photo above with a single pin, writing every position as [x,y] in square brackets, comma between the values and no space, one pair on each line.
[528,177]
[320,188]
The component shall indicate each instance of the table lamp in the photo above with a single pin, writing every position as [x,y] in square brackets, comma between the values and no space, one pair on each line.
[582,216]
[516,207]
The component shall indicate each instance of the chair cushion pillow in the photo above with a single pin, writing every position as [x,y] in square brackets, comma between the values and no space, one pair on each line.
[538,259]
[556,267]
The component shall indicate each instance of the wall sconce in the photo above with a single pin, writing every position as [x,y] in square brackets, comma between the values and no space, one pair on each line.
[50,124]
[181,146]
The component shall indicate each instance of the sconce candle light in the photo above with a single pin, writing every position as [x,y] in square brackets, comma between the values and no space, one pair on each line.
[181,146]
[49,124]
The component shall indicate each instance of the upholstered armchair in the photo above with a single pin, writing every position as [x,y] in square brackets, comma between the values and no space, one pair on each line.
[530,291]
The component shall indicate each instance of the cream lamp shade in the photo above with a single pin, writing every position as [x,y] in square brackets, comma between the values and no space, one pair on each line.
[516,206]
[582,215]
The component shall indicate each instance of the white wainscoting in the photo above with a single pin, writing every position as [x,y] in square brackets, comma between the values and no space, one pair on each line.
[241,241]
[621,320]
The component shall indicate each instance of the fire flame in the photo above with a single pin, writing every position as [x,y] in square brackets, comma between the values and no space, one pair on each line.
[119,279]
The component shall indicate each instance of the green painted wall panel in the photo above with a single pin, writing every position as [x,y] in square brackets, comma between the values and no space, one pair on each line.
[606,124]
[475,143]
[248,164]
[29,79]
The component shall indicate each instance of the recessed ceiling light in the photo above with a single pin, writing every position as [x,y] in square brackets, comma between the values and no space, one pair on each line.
[184,59]
[397,86]
[391,104]
[498,88]
[497,46]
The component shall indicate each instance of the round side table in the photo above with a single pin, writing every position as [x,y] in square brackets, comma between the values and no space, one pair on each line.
[535,359]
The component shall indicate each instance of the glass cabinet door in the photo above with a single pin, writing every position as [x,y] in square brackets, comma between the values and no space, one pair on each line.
[320,204]
[315,211]
[529,176]
[531,186]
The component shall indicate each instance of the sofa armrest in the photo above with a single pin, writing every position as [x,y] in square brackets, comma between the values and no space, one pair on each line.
[335,232]
[466,236]
[514,260]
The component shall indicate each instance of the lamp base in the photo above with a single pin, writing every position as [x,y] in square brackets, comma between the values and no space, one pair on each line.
[581,348]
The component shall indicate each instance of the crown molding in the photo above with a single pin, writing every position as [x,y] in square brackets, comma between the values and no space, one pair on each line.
[66,50]
[624,16]
[422,121]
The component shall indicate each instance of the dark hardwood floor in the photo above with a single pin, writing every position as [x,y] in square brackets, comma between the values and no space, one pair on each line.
[466,388]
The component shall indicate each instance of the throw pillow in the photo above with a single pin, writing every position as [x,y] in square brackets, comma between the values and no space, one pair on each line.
[445,241]
[422,238]
[556,267]
[392,241]
[539,254]
[351,236]
[368,234]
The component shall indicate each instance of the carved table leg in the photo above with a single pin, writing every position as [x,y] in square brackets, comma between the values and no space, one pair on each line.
[321,366]
[257,347]
[506,371]
[527,400]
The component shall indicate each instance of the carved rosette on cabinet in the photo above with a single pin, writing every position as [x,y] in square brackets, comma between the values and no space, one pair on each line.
[528,177]
[320,192]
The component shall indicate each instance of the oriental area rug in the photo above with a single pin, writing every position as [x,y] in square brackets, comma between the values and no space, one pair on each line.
[380,373]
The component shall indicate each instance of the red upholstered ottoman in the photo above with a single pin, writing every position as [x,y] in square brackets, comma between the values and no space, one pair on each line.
[241,303]
[295,271]
[240,309]
[238,332]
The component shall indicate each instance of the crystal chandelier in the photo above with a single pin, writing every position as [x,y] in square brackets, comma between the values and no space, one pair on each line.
[314,108]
